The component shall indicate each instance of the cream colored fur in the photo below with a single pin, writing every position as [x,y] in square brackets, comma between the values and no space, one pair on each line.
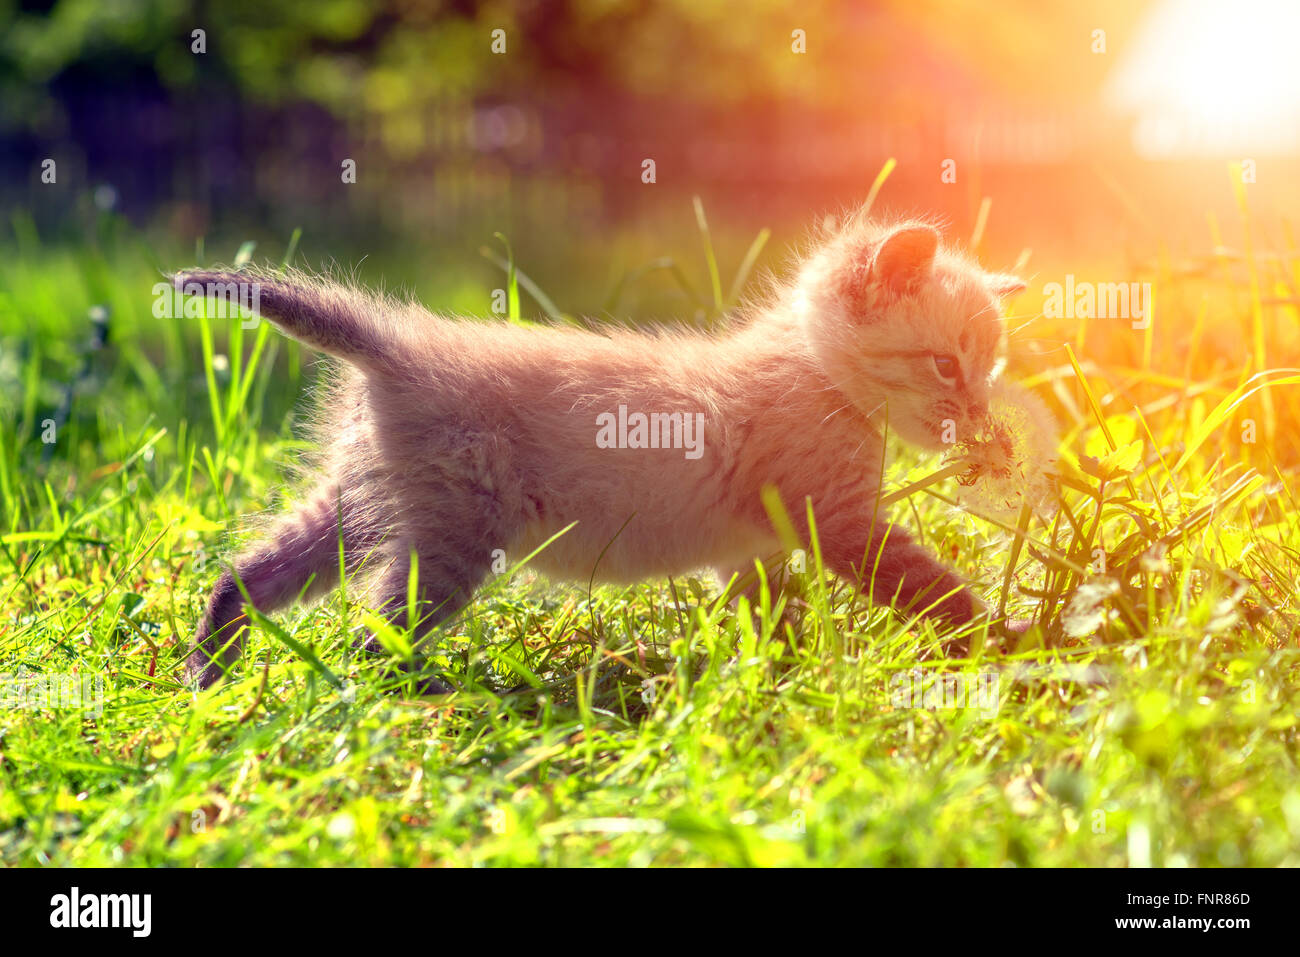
[454,438]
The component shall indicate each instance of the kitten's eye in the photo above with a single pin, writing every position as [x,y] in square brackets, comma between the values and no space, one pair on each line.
[947,367]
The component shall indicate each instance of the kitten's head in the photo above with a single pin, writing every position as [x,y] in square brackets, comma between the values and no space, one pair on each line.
[905,327]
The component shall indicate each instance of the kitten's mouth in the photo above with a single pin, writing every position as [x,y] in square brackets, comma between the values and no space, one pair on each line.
[978,428]
[944,433]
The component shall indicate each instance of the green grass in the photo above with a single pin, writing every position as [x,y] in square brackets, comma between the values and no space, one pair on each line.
[647,725]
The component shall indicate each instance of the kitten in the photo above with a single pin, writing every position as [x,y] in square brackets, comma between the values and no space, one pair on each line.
[451,439]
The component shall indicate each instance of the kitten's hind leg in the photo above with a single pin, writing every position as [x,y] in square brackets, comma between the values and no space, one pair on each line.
[299,555]
[446,581]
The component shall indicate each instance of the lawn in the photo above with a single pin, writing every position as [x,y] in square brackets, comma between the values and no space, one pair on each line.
[1148,718]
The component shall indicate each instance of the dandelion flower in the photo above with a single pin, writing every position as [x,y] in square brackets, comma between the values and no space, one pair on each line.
[1012,461]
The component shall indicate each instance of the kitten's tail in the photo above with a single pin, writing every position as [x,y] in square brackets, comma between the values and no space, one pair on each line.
[335,319]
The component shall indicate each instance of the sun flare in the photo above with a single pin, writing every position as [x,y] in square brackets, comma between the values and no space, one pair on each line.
[1207,75]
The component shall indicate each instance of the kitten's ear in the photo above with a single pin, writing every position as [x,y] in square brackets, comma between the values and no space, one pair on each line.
[905,257]
[1004,284]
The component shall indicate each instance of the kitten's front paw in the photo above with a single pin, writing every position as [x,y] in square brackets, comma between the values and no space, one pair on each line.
[1011,630]
[1004,634]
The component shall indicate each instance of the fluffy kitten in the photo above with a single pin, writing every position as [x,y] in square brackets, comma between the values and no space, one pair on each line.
[450,439]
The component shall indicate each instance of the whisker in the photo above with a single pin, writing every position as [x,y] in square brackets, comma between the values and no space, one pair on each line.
[1023,325]
[836,412]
